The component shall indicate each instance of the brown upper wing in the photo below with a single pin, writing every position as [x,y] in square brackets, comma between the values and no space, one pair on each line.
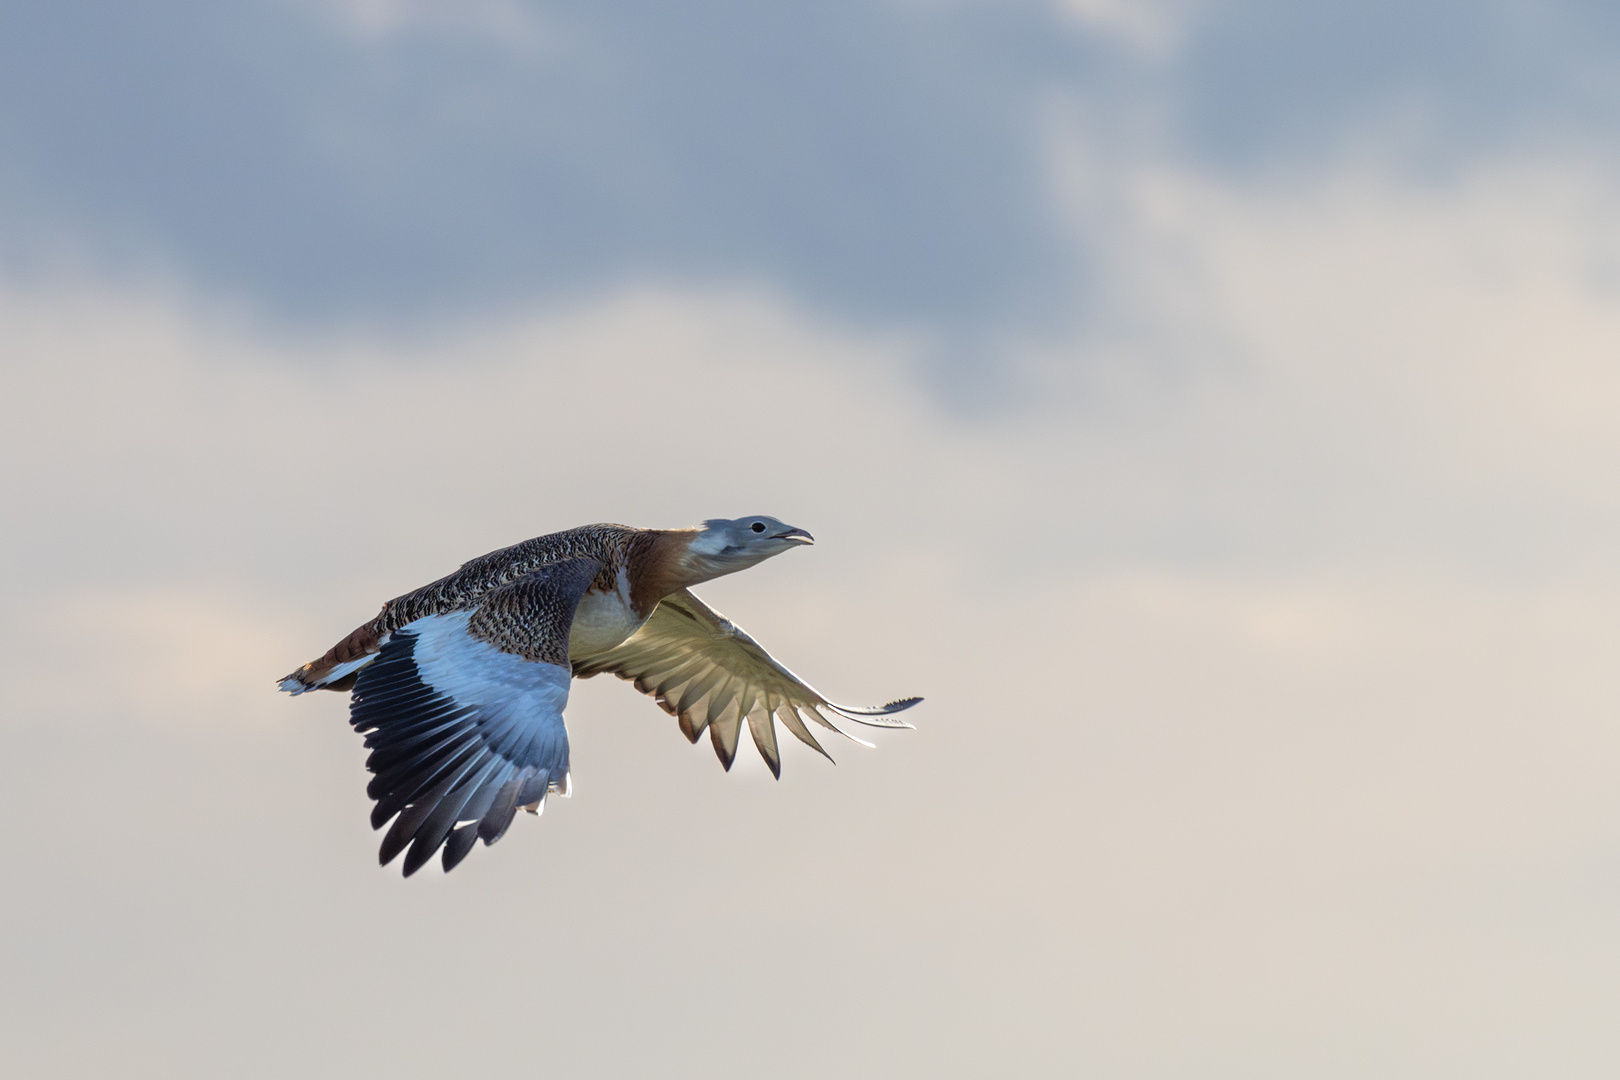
[708,673]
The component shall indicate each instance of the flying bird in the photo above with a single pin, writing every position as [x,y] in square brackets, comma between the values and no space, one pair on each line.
[459,686]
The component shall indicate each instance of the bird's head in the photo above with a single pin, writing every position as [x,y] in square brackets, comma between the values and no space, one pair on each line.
[726,545]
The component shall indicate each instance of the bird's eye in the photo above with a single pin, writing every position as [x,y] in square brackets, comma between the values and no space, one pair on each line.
[758,526]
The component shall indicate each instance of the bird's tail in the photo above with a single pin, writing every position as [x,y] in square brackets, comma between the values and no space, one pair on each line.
[341,665]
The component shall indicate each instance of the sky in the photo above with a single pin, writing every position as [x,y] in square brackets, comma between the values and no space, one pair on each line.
[1209,408]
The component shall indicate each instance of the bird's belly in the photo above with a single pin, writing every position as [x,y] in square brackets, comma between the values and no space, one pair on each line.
[602,620]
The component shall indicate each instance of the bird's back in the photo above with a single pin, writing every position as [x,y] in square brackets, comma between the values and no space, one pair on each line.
[618,548]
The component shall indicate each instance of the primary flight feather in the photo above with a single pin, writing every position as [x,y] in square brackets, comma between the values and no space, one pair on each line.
[459,687]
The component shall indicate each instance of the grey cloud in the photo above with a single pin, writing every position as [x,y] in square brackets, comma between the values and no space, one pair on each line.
[1264,82]
[882,162]
[873,158]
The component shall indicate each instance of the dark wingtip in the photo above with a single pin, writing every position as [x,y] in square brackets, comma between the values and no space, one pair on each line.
[459,843]
[397,839]
[419,855]
[725,758]
[773,761]
[720,748]
[499,816]
[687,729]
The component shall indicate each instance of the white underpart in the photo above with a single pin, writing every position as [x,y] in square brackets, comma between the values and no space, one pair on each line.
[603,620]
[471,671]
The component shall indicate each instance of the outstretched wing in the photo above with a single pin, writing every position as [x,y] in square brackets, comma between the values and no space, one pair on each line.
[463,714]
[704,670]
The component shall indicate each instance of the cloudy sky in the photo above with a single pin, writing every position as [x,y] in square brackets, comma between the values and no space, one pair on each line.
[1210,407]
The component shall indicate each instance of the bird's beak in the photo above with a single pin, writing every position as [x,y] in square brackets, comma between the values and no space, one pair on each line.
[797,536]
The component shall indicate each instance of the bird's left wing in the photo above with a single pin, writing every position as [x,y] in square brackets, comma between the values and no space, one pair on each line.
[463,714]
[708,673]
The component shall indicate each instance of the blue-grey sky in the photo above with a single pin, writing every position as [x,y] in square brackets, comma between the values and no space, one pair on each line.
[884,162]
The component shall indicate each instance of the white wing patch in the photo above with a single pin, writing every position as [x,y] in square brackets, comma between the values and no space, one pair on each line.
[463,668]
[462,735]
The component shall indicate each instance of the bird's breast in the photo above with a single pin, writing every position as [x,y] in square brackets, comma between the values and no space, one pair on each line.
[603,620]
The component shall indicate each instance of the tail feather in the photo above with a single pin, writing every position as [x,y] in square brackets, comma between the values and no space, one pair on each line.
[294,683]
[338,669]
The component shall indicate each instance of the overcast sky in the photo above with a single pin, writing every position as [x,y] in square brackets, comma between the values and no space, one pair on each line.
[1210,408]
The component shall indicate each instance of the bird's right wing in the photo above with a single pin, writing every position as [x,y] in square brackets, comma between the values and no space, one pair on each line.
[708,673]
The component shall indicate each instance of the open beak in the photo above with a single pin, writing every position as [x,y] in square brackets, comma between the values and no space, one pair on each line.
[797,536]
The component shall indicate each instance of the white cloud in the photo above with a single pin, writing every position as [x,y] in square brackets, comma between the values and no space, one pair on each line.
[1433,358]
[1156,27]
